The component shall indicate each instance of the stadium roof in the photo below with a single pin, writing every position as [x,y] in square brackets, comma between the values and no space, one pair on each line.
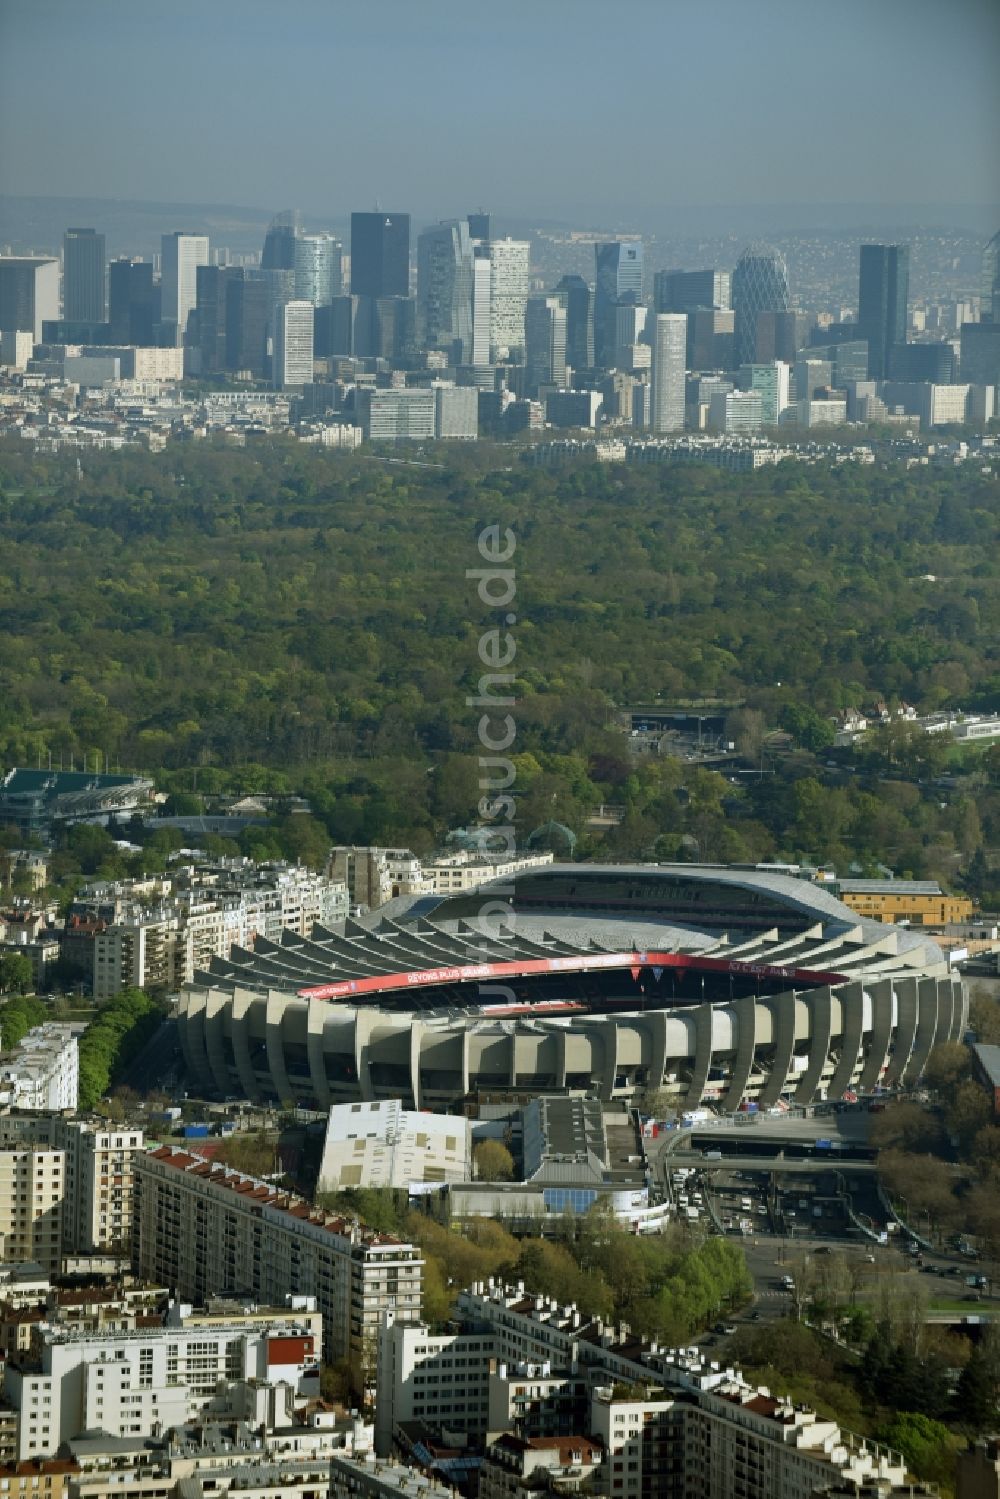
[421,963]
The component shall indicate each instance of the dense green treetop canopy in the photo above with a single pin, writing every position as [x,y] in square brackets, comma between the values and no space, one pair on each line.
[283,618]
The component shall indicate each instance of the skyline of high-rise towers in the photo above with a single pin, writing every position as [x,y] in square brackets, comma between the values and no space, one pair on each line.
[506,317]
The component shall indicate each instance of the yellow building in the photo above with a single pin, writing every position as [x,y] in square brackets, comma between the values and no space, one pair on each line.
[49,1478]
[916,902]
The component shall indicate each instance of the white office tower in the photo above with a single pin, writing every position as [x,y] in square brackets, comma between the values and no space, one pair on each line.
[444,289]
[669,342]
[482,276]
[509,260]
[318,268]
[292,359]
[630,329]
[181,255]
[545,343]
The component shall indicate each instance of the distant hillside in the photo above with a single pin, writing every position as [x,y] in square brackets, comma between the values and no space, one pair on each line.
[133,227]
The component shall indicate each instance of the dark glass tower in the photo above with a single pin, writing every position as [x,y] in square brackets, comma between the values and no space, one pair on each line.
[249,307]
[883,291]
[619,279]
[380,254]
[279,242]
[130,297]
[479,224]
[578,299]
[84,270]
[211,309]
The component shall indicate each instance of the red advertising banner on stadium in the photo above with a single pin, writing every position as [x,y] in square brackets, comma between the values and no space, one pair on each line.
[580,963]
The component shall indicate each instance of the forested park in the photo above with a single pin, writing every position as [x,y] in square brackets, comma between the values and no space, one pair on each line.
[286,620]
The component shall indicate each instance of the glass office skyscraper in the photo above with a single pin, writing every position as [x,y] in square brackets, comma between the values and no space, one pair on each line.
[84,272]
[619,279]
[380,254]
[883,291]
[760,284]
[317,265]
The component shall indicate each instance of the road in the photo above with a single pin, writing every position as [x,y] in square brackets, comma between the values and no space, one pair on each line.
[940,1276]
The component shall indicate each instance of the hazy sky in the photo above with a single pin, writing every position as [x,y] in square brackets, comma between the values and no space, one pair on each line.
[553,107]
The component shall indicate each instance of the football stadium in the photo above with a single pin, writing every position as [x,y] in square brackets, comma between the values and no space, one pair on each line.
[721,986]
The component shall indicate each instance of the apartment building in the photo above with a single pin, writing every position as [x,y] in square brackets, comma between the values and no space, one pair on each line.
[376,875]
[206,1230]
[129,1383]
[51,1479]
[141,951]
[433,1378]
[43,1071]
[519,1467]
[30,1301]
[98,1178]
[668,1422]
[160,932]
[370,1478]
[32,1188]
[225,1455]
[464,870]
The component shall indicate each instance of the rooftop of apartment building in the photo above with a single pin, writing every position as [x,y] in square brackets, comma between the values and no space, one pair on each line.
[264,1194]
[225,1439]
[657,1371]
[567,1450]
[888,887]
[38,1467]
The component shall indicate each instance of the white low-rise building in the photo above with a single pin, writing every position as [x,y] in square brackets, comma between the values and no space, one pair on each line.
[384,1145]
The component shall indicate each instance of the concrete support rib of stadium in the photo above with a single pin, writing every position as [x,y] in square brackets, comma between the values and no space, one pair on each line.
[717,985]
